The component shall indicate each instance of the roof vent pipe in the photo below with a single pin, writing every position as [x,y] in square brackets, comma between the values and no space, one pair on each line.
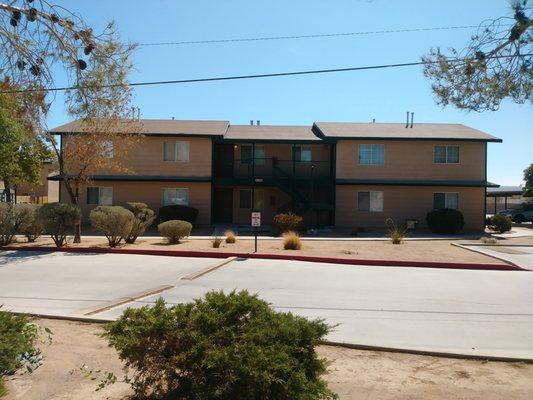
[258,122]
[412,117]
[251,122]
[407,121]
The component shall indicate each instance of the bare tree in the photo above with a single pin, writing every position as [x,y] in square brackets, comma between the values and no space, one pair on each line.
[495,65]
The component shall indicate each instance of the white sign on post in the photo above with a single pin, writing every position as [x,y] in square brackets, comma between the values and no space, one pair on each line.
[256,219]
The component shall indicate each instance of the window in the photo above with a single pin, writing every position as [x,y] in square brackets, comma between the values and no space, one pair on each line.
[370,201]
[176,151]
[247,155]
[446,155]
[107,148]
[302,153]
[245,199]
[176,196]
[446,200]
[371,154]
[100,195]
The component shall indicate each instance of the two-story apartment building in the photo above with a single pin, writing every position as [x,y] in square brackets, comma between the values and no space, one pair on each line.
[342,174]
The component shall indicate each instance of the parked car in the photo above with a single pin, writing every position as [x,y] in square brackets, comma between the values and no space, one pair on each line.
[522,213]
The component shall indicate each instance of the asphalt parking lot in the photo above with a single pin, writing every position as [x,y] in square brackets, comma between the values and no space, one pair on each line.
[484,313]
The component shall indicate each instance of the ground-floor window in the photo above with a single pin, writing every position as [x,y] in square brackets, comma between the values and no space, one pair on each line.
[245,199]
[178,196]
[100,195]
[446,200]
[370,201]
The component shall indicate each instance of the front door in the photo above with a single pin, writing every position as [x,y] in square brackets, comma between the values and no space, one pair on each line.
[223,206]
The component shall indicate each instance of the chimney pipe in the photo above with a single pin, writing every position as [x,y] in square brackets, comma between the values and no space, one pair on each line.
[132,112]
[251,122]
[172,118]
[258,122]
[373,120]
[412,115]
[138,113]
[407,121]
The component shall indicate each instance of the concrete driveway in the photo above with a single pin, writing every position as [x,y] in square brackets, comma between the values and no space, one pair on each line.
[484,313]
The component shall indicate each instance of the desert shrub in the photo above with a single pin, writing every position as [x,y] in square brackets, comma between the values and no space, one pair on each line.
[291,241]
[175,230]
[114,222]
[143,218]
[18,337]
[287,222]
[216,242]
[445,220]
[489,240]
[58,219]
[30,225]
[8,223]
[231,237]
[396,233]
[220,347]
[178,212]
[500,223]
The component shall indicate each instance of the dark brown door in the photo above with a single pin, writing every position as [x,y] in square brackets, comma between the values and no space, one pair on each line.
[223,206]
[224,161]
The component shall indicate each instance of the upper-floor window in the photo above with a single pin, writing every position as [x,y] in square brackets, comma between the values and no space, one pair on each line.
[446,200]
[302,153]
[100,195]
[176,196]
[250,152]
[176,151]
[245,199]
[370,201]
[371,154]
[107,148]
[446,154]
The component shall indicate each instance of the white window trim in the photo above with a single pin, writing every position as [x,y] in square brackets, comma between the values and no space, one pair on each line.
[176,151]
[446,156]
[370,201]
[446,199]
[176,188]
[371,163]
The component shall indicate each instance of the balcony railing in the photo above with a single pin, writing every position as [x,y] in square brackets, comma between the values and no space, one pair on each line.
[264,168]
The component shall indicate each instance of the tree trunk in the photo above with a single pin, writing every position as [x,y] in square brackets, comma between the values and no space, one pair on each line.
[77,228]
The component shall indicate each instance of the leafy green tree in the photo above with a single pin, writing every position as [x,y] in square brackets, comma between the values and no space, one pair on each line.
[496,64]
[528,177]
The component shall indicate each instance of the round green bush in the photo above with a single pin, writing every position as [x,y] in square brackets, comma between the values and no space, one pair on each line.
[143,218]
[58,219]
[30,225]
[500,223]
[114,222]
[175,230]
[232,347]
[445,220]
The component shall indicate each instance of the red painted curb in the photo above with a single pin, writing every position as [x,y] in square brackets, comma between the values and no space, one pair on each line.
[332,260]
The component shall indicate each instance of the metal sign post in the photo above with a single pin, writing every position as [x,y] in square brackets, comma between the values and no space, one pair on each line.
[256,223]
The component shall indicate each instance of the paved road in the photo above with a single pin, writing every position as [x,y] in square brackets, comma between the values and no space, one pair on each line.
[456,311]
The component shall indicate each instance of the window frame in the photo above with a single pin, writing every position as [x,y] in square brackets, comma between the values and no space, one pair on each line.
[446,194]
[108,149]
[259,193]
[446,147]
[370,210]
[371,161]
[99,193]
[175,188]
[176,145]
[300,152]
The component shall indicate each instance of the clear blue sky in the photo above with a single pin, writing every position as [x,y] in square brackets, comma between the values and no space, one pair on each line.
[351,96]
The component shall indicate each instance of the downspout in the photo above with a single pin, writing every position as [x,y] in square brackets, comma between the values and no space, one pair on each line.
[485,198]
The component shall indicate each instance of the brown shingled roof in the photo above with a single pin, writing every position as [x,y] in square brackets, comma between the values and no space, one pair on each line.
[163,127]
[270,132]
[352,130]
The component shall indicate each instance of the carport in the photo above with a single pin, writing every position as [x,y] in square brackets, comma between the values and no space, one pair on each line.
[502,191]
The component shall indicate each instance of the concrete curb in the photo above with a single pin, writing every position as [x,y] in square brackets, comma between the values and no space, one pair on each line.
[330,260]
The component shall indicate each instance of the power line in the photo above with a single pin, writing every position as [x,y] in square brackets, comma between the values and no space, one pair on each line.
[239,77]
[312,36]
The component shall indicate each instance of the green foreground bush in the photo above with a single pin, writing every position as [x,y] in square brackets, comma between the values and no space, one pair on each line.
[232,347]
[143,218]
[115,222]
[500,223]
[9,223]
[288,222]
[175,230]
[58,219]
[445,220]
[30,225]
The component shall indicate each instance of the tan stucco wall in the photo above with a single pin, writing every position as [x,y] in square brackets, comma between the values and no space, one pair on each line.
[405,202]
[412,160]
[44,188]
[146,158]
[151,193]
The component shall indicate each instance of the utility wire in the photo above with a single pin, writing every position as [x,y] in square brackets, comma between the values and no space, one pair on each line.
[312,36]
[239,77]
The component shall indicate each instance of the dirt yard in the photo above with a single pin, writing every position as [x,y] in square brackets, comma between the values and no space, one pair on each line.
[415,250]
[353,374]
